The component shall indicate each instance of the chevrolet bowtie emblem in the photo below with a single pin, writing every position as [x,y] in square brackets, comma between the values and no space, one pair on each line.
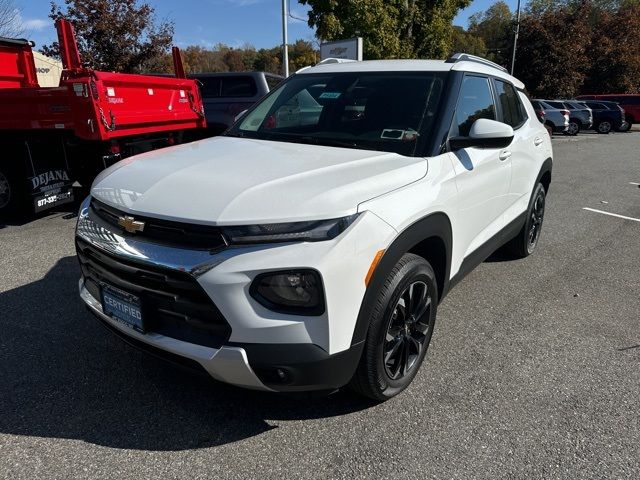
[130,224]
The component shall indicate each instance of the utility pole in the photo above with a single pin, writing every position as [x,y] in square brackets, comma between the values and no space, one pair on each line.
[515,39]
[285,46]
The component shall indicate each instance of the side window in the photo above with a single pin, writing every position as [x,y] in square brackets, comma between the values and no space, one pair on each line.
[513,112]
[272,82]
[238,87]
[210,87]
[475,101]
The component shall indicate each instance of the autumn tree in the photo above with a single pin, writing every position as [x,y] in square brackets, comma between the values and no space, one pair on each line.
[549,64]
[465,42]
[614,52]
[10,25]
[114,35]
[390,28]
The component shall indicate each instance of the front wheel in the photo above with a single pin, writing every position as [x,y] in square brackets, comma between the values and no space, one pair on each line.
[400,330]
[13,197]
[573,129]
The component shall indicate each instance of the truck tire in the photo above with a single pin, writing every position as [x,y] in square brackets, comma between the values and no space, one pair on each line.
[14,201]
[400,331]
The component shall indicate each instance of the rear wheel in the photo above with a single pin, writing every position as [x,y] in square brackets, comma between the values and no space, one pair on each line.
[624,127]
[13,195]
[524,244]
[400,330]
[604,127]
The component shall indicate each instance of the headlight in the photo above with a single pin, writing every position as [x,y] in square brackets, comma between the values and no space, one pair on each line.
[314,231]
[297,292]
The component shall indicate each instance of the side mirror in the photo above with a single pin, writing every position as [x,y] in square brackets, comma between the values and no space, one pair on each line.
[484,133]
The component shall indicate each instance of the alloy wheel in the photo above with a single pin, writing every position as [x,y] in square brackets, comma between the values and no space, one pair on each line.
[5,191]
[535,224]
[408,329]
[604,127]
[573,128]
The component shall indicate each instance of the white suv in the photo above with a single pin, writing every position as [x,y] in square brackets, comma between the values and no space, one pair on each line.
[309,246]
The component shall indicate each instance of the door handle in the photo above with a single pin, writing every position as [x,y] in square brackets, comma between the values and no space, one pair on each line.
[504,154]
[537,141]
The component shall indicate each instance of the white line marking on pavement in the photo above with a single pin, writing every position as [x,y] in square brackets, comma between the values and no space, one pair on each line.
[612,214]
[634,183]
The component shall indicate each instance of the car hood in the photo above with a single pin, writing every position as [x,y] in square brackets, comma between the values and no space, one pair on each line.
[232,181]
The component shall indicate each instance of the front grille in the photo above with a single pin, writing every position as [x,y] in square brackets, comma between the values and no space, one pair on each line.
[165,232]
[172,302]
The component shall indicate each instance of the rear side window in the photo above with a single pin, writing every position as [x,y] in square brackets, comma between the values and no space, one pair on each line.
[475,101]
[241,86]
[596,106]
[512,109]
[210,87]
[272,82]
[558,105]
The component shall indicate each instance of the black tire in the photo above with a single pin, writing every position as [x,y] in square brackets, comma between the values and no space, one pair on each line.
[524,244]
[573,128]
[391,333]
[624,127]
[14,201]
[604,127]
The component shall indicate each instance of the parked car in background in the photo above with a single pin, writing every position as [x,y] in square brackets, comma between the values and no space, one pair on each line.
[225,95]
[580,116]
[555,118]
[607,116]
[629,102]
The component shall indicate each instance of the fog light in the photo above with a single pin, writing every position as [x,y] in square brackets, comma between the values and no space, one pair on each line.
[296,292]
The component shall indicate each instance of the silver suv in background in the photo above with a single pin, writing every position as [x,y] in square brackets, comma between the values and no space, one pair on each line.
[580,116]
[555,118]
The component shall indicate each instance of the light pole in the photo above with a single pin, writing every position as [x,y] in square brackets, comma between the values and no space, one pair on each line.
[515,38]
[285,47]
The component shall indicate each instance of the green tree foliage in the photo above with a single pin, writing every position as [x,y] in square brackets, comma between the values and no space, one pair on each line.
[495,27]
[390,28]
[114,35]
[465,42]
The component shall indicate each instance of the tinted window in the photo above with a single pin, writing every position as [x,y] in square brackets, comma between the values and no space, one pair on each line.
[368,110]
[536,105]
[475,101]
[238,87]
[558,105]
[512,109]
[272,82]
[210,87]
[596,106]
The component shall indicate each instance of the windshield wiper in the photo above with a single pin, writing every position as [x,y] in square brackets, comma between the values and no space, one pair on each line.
[329,142]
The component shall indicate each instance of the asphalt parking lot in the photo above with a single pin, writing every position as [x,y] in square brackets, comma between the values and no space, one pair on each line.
[533,371]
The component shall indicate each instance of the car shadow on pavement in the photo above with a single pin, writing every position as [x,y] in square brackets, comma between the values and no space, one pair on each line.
[63,375]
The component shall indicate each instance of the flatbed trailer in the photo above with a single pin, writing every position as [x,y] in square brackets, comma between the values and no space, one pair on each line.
[51,137]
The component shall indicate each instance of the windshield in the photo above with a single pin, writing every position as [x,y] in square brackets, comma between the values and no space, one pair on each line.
[368,110]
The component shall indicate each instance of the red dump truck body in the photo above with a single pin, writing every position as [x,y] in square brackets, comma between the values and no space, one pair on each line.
[91,120]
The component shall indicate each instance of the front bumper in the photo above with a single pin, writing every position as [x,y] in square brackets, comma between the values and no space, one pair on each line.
[264,349]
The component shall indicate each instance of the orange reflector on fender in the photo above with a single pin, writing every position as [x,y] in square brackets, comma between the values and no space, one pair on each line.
[373,266]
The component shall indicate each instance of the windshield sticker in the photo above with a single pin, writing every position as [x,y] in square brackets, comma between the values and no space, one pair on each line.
[397,134]
[330,95]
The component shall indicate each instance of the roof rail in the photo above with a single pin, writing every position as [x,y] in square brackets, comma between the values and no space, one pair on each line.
[335,60]
[465,57]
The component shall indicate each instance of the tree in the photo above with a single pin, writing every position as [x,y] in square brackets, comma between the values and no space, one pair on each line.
[553,65]
[302,54]
[495,27]
[390,28]
[466,42]
[10,24]
[614,51]
[114,35]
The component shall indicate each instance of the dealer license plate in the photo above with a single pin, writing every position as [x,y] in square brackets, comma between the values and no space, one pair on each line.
[122,307]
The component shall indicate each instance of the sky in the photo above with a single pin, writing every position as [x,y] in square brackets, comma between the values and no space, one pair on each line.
[208,22]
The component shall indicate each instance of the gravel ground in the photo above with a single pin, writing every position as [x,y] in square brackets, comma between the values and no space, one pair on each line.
[533,370]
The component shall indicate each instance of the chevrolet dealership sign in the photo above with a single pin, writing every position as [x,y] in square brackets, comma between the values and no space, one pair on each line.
[350,49]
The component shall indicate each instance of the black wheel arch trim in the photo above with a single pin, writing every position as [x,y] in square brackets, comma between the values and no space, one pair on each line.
[547,167]
[433,225]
